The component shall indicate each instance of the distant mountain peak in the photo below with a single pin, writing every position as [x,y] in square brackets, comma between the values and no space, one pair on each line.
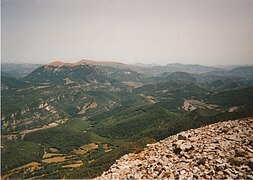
[88,62]
[61,63]
[102,63]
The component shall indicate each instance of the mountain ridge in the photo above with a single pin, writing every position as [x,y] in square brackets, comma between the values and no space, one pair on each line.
[147,69]
[84,62]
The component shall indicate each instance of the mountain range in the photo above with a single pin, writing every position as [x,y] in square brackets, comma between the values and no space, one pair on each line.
[74,120]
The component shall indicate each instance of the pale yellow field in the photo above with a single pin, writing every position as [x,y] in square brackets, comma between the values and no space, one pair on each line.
[48,155]
[54,159]
[77,164]
[85,148]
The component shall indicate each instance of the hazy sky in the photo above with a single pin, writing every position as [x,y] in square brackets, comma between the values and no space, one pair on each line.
[146,31]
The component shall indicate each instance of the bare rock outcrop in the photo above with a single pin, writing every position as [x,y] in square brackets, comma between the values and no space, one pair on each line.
[218,151]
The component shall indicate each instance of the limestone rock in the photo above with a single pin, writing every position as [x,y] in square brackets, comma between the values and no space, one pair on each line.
[222,150]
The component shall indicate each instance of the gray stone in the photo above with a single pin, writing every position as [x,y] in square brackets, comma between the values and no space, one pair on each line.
[221,151]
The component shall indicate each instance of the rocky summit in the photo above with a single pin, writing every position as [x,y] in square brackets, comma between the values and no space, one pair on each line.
[221,150]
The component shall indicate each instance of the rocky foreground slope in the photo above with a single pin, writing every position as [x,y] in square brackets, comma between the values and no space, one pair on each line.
[221,150]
